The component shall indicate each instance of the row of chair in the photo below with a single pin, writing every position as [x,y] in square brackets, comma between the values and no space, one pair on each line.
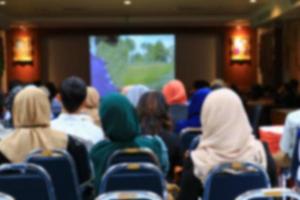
[129,170]
[50,174]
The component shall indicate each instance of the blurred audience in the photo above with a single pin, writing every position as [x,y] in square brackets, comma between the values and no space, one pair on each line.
[227,137]
[92,104]
[155,121]
[217,83]
[31,115]
[194,109]
[121,127]
[176,97]
[73,92]
[9,104]
[56,106]
[3,130]
[135,92]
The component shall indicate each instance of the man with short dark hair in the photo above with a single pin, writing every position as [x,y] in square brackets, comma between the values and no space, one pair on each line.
[73,92]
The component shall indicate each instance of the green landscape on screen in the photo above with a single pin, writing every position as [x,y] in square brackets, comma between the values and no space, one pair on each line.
[138,59]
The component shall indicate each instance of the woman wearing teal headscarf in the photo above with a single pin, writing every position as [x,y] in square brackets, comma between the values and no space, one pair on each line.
[121,127]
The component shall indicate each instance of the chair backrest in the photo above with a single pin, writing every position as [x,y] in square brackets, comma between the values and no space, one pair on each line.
[4,196]
[187,135]
[129,195]
[269,193]
[60,166]
[132,177]
[132,155]
[229,180]
[195,143]
[26,181]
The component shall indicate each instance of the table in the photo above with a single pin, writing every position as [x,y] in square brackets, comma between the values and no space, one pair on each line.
[271,135]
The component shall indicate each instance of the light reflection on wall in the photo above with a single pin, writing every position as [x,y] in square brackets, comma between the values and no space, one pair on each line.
[240,46]
[22,48]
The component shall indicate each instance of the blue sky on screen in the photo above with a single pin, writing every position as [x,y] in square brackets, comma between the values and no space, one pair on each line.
[167,40]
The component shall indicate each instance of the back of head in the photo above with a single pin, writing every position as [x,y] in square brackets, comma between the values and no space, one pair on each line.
[217,83]
[93,98]
[153,113]
[52,89]
[73,93]
[11,96]
[223,115]
[135,92]
[174,92]
[31,108]
[198,84]
[119,119]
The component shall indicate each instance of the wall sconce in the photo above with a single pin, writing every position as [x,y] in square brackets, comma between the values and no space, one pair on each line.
[240,47]
[23,49]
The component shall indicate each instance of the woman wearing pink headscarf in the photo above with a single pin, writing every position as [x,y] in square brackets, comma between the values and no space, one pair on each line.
[227,137]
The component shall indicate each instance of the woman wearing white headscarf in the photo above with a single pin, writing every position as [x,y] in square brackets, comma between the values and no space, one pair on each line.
[227,137]
[31,117]
[135,92]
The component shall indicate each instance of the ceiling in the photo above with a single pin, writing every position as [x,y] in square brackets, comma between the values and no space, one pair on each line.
[47,12]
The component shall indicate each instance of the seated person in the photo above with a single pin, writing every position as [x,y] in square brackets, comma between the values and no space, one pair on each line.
[92,103]
[155,121]
[176,97]
[121,127]
[55,104]
[227,137]
[31,116]
[3,130]
[72,121]
[288,140]
[193,120]
[135,92]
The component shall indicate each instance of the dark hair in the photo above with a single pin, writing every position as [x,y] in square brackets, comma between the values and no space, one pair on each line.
[198,84]
[73,93]
[52,89]
[153,113]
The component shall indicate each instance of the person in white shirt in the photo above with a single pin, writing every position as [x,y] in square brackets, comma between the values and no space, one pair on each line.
[288,139]
[72,121]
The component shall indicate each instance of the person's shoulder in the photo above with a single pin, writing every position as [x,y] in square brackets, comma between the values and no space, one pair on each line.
[101,145]
[294,116]
[57,121]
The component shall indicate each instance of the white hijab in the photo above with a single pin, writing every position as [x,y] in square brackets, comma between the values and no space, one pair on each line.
[227,135]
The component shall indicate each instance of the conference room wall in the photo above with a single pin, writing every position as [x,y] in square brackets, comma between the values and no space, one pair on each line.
[198,56]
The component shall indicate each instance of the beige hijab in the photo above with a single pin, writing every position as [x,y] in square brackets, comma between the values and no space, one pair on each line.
[227,135]
[31,115]
[92,103]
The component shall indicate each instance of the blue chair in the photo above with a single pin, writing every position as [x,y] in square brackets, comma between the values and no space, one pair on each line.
[133,155]
[187,136]
[132,195]
[60,166]
[5,197]
[229,180]
[269,193]
[195,143]
[132,177]
[26,181]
